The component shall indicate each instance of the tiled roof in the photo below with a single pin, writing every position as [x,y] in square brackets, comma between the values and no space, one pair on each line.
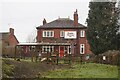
[60,23]
[4,35]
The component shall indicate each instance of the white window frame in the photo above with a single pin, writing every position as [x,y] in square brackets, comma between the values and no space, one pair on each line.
[69,49]
[82,46]
[62,33]
[82,33]
[44,32]
[52,49]
[48,33]
[47,49]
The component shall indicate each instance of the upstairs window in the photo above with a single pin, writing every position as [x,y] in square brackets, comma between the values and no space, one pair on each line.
[61,33]
[48,33]
[82,33]
[44,34]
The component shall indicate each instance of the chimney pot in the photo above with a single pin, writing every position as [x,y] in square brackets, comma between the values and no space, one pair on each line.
[11,31]
[75,18]
[44,21]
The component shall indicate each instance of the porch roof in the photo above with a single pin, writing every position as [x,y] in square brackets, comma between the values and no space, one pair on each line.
[44,44]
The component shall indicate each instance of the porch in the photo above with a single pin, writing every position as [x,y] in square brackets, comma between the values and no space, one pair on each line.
[35,51]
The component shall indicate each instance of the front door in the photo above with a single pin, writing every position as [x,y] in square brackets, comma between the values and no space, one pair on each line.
[61,51]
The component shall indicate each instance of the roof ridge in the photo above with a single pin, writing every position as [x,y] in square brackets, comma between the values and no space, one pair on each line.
[4,32]
[63,19]
[60,23]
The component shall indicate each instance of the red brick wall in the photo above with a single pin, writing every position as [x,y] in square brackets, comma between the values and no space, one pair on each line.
[81,40]
[39,35]
[88,48]
[12,40]
[9,43]
[76,19]
[12,43]
[57,33]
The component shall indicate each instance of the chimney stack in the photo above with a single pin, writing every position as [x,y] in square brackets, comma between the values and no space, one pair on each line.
[44,21]
[11,31]
[75,18]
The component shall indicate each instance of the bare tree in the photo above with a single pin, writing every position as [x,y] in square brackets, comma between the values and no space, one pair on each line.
[32,37]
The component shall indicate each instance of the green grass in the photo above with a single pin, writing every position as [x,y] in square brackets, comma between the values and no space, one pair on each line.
[7,69]
[88,70]
[12,68]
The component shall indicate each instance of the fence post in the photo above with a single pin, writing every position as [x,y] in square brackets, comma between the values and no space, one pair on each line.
[15,53]
[57,58]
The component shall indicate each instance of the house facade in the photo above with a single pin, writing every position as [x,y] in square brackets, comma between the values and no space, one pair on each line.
[8,41]
[63,31]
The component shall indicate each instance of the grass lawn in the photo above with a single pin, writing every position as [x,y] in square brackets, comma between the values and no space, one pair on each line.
[28,69]
[88,70]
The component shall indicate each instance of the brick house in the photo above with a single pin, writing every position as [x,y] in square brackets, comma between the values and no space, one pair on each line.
[63,31]
[8,41]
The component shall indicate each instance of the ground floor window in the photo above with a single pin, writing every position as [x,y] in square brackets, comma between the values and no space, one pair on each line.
[82,48]
[46,49]
[69,50]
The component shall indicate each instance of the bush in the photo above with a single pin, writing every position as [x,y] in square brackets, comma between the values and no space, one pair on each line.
[111,57]
[7,70]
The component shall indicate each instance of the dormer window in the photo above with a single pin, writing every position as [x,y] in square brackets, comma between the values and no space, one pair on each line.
[82,33]
[48,33]
[61,33]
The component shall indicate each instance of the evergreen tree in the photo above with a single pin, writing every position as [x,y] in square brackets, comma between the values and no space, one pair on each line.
[102,26]
[119,14]
[118,34]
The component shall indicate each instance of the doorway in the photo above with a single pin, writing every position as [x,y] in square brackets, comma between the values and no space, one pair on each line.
[61,49]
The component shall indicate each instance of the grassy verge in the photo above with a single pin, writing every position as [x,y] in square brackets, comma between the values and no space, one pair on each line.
[88,70]
[7,69]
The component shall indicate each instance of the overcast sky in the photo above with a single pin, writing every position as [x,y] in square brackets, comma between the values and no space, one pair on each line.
[25,15]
